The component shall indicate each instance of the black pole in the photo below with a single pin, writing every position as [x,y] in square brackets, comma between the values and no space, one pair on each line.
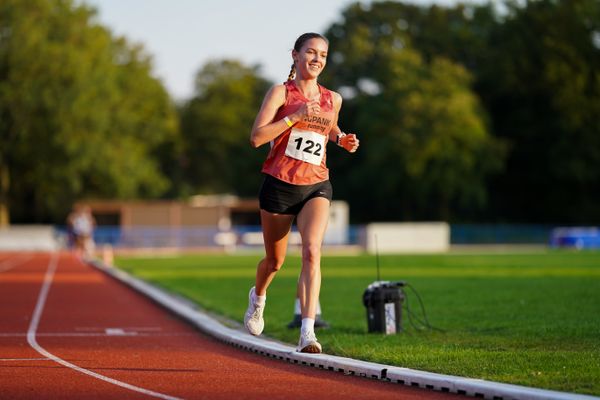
[377,257]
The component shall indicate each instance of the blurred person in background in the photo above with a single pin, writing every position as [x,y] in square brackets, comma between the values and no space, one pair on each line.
[81,225]
[296,321]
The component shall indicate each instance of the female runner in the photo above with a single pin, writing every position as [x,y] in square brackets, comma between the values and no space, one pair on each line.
[298,118]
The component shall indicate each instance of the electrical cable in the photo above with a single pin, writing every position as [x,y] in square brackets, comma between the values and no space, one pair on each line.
[424,324]
[409,314]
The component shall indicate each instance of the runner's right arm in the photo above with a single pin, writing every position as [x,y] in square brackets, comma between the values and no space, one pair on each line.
[265,128]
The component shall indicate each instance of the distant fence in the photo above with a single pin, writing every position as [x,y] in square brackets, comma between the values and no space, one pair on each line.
[152,237]
[500,234]
[198,237]
[37,237]
[251,236]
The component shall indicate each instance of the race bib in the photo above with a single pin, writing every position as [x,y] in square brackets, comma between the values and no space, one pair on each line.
[306,146]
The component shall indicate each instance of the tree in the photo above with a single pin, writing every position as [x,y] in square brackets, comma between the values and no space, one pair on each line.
[80,112]
[541,84]
[216,125]
[535,68]
[424,134]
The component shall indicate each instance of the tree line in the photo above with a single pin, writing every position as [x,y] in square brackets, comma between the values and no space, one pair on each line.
[470,113]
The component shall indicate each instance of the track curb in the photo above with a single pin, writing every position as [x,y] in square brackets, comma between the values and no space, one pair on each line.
[405,376]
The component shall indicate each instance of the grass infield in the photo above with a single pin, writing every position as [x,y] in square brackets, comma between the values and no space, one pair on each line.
[526,319]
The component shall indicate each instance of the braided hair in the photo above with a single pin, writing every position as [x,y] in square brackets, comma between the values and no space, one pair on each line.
[298,46]
[292,74]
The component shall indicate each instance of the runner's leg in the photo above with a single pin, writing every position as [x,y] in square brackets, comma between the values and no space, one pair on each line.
[276,232]
[312,223]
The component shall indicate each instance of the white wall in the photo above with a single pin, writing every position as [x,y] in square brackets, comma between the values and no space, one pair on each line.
[28,237]
[337,228]
[417,237]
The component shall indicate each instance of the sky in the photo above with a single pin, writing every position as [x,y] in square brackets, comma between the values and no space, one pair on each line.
[183,35]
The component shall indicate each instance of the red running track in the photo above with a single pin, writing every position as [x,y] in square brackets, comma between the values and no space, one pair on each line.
[67,331]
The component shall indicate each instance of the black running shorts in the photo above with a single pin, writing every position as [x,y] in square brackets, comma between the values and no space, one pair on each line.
[280,197]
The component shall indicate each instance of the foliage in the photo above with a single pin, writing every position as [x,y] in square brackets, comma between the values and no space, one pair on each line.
[467,113]
[424,132]
[535,66]
[81,113]
[216,126]
[541,84]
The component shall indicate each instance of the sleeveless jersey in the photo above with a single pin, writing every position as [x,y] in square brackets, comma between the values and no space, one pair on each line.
[298,155]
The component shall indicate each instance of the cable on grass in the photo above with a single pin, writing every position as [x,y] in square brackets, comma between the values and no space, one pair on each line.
[424,324]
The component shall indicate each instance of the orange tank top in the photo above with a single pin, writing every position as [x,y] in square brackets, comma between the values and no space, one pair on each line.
[298,155]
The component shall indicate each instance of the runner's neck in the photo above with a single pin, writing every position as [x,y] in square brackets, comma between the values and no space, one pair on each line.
[309,89]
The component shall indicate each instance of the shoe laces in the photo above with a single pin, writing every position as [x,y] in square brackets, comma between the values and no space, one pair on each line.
[309,336]
[258,311]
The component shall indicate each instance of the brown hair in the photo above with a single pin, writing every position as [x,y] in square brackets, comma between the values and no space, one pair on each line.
[298,46]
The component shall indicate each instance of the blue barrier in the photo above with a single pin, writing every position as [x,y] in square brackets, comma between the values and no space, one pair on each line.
[499,234]
[577,237]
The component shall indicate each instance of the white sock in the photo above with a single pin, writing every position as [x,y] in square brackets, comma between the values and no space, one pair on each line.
[308,325]
[259,300]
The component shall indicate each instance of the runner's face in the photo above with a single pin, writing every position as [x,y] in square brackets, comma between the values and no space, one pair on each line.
[311,58]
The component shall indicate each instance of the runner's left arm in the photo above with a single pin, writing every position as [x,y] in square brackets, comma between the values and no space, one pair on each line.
[348,141]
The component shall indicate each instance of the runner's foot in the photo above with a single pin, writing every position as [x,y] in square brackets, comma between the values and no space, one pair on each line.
[253,320]
[308,343]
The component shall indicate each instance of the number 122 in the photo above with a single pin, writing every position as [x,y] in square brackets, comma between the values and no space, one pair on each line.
[309,146]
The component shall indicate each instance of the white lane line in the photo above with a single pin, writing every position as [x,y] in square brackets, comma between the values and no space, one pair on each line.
[33,326]
[96,334]
[71,334]
[10,263]
[128,329]
[118,332]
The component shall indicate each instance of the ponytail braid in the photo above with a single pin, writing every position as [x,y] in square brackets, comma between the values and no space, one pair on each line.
[292,74]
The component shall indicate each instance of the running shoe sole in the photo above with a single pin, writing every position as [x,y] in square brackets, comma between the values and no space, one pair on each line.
[311,348]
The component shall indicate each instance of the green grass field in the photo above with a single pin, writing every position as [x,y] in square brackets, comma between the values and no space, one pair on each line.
[526,319]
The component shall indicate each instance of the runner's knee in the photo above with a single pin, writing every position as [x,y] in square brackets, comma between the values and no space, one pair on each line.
[311,254]
[274,264]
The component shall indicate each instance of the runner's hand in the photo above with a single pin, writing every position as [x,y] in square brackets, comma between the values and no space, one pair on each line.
[306,110]
[350,142]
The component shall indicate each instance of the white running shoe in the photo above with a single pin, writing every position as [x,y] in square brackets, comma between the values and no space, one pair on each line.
[254,315]
[308,343]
